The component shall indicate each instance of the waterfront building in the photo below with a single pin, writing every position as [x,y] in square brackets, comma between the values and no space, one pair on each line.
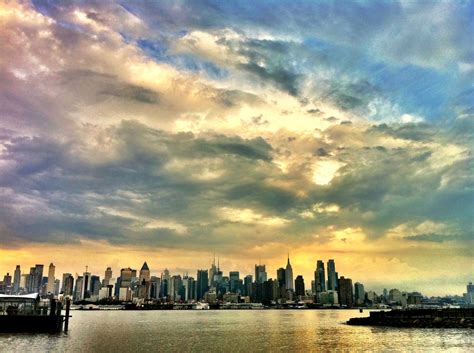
[125,294]
[234,280]
[345,292]
[189,285]
[281,280]
[95,285]
[299,286]
[68,284]
[7,284]
[63,282]
[51,270]
[248,280]
[56,287]
[34,279]
[289,275]
[329,297]
[44,286]
[103,293]
[78,289]
[164,289]
[359,293]
[23,281]
[165,283]
[212,272]
[210,296]
[175,285]
[276,291]
[371,297]
[202,284]
[469,295]
[414,298]
[144,273]
[107,277]
[86,285]
[394,296]
[16,280]
[269,288]
[260,274]
[155,285]
[281,277]
[332,277]
[230,298]
[319,278]
[126,275]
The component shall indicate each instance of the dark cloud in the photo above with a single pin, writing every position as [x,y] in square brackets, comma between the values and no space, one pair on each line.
[315,111]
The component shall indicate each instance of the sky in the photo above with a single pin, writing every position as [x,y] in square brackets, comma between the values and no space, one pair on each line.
[168,131]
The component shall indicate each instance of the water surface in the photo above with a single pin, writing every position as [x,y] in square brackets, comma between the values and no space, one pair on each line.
[233,331]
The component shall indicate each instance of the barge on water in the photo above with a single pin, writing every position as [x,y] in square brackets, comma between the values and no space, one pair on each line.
[28,313]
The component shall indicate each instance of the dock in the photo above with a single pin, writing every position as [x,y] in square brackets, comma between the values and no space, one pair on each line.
[28,313]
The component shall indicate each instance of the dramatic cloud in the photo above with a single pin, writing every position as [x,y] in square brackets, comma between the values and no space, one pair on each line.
[246,129]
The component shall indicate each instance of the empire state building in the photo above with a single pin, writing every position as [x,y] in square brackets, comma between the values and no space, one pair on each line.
[289,275]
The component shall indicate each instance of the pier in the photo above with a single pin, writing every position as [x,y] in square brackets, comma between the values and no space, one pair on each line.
[426,318]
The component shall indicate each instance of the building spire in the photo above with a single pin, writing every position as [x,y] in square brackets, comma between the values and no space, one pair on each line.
[218,266]
[288,263]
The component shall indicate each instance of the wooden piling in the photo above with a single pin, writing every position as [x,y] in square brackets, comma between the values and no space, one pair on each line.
[66,322]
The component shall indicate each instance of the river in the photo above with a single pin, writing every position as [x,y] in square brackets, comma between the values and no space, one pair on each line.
[233,331]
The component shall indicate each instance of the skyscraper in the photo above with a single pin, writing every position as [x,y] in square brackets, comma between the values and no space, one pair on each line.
[7,284]
[68,284]
[289,275]
[155,285]
[95,285]
[35,279]
[260,274]
[107,277]
[189,286]
[175,285]
[202,284]
[51,279]
[359,292]
[332,278]
[299,285]
[16,279]
[345,291]
[212,272]
[248,285]
[234,280]
[144,273]
[86,285]
[319,278]
[126,277]
[281,277]
[78,290]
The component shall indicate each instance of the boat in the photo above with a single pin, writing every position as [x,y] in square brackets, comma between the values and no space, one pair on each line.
[28,313]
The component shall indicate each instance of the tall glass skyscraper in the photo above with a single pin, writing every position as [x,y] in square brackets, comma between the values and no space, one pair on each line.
[332,277]
[319,277]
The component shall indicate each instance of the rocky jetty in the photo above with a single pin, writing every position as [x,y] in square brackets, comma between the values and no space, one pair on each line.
[422,318]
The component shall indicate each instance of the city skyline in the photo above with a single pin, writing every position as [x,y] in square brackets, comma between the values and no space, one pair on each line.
[328,276]
[169,131]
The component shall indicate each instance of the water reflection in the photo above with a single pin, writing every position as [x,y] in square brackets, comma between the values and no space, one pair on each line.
[232,331]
